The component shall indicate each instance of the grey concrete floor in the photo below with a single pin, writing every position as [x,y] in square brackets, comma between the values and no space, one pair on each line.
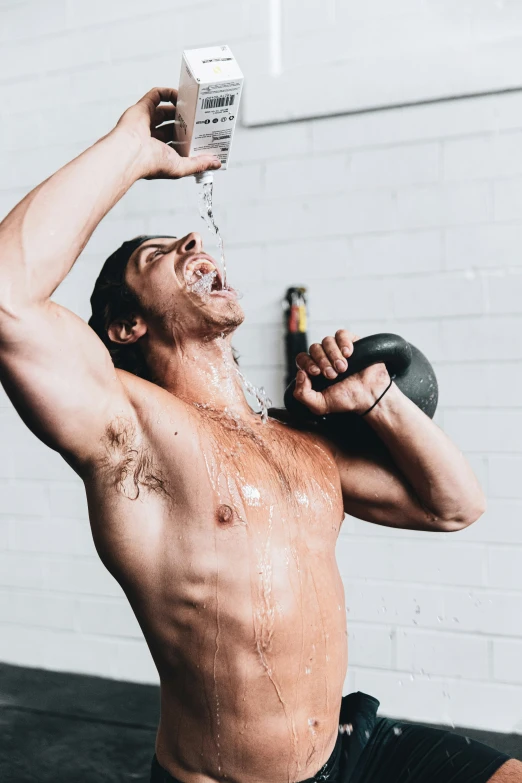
[69,728]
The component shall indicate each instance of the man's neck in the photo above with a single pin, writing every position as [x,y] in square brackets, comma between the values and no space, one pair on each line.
[201,372]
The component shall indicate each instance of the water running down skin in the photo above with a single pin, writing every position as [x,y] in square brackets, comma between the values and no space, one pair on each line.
[202,286]
[220,528]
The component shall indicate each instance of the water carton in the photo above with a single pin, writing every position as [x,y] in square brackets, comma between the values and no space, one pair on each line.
[208,102]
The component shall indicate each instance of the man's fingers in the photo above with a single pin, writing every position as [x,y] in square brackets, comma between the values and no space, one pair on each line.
[345,340]
[320,358]
[148,109]
[305,362]
[333,352]
[165,112]
[330,356]
[164,133]
[154,97]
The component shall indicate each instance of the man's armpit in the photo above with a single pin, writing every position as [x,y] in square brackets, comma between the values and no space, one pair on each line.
[128,462]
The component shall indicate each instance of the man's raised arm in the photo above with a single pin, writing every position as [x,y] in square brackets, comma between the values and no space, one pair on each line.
[55,369]
[423,482]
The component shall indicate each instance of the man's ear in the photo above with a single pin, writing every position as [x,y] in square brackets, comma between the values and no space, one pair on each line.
[127,331]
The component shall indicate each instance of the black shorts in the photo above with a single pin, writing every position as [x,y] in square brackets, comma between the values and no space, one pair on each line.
[380,750]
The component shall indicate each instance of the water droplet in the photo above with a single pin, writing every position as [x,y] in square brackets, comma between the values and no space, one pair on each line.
[259,394]
[251,495]
[202,286]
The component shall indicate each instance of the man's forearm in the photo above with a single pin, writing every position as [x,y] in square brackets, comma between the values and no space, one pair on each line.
[438,472]
[45,233]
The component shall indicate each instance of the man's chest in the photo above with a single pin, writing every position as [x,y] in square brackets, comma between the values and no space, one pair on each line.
[256,473]
[222,472]
[238,501]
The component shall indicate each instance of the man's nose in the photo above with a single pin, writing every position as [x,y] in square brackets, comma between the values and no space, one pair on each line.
[191,243]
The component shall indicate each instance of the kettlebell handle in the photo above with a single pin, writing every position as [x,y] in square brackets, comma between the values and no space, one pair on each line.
[390,349]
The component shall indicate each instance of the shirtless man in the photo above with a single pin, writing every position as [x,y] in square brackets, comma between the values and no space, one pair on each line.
[220,527]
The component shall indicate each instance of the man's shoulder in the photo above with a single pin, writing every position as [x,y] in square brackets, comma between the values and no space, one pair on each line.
[155,409]
[308,427]
[142,391]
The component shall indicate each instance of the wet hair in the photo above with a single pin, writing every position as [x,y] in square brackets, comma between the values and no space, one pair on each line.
[112,300]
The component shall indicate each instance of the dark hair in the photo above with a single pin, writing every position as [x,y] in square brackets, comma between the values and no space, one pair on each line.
[112,300]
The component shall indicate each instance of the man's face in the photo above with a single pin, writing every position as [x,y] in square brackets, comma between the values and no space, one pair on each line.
[181,287]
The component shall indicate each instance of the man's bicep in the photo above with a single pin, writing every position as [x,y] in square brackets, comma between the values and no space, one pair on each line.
[374,490]
[60,378]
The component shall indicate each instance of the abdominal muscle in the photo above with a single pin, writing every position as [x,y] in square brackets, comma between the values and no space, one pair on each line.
[252,681]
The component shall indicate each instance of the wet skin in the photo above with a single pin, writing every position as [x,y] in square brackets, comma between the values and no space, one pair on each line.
[231,572]
[220,529]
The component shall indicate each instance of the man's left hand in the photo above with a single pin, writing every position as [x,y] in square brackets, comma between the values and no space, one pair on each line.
[356,394]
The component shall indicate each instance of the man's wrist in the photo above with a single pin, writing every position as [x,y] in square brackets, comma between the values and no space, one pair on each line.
[133,145]
[377,399]
[382,409]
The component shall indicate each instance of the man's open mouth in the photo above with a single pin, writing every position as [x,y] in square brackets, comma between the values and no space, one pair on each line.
[202,276]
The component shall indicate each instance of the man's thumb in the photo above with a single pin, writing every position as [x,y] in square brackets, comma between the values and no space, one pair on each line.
[197,164]
[304,392]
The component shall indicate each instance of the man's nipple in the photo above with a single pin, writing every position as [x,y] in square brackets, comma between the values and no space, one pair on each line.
[225,515]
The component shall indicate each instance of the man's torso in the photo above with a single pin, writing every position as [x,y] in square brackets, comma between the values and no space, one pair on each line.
[222,535]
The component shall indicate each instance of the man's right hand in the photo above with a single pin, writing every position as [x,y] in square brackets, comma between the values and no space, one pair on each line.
[157,160]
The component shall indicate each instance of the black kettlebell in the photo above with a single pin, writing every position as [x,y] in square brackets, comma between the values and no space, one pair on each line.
[408,367]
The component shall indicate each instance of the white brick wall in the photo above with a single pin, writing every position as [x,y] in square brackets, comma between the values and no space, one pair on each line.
[407,220]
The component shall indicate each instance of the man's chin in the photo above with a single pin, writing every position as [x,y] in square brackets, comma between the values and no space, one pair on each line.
[223,319]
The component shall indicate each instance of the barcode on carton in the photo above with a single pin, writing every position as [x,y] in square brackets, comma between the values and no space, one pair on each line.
[217,101]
